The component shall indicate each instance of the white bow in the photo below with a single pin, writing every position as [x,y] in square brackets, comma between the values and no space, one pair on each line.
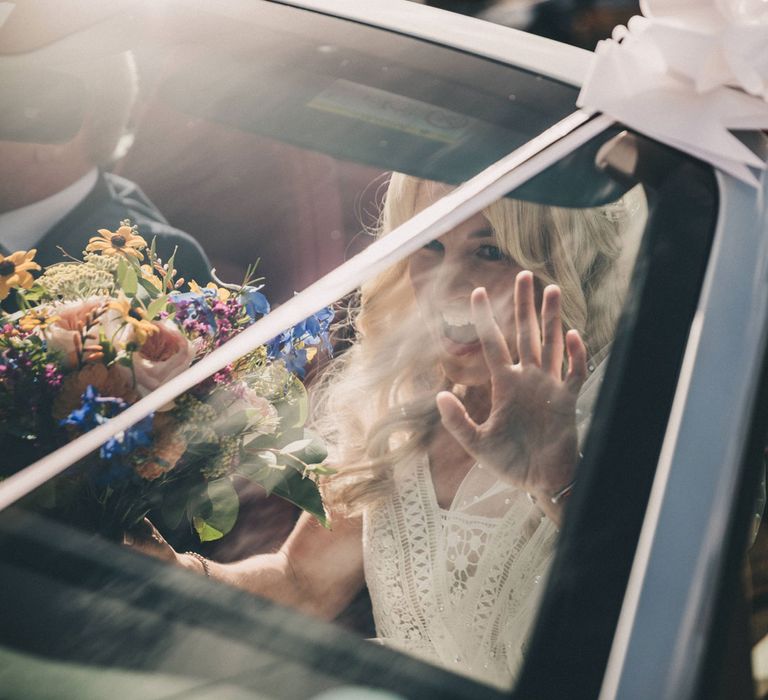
[686,73]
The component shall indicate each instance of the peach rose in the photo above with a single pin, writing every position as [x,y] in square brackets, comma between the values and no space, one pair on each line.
[64,335]
[163,355]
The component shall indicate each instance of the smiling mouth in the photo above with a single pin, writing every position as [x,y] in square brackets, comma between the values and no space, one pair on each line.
[459,329]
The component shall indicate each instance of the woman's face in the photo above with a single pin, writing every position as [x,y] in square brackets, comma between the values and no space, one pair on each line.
[443,274]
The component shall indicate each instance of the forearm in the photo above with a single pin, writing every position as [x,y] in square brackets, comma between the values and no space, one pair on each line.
[265,575]
[316,571]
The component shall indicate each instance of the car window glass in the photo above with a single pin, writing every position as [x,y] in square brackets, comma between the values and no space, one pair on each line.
[294,144]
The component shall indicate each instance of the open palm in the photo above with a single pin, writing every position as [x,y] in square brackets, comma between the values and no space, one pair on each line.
[529,436]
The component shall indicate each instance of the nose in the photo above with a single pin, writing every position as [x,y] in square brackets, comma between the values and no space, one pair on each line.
[453,280]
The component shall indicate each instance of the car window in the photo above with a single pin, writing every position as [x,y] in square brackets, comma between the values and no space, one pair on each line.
[295,143]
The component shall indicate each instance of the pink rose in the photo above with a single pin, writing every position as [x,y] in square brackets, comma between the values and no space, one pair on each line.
[163,355]
[73,319]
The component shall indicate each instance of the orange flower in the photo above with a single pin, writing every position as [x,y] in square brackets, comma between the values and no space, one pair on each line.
[124,241]
[14,271]
[222,293]
[149,274]
[37,318]
[109,381]
[168,446]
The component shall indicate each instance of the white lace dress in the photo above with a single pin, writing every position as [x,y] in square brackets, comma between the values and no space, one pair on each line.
[457,587]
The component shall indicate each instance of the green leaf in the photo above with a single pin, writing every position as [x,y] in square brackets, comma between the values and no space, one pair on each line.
[205,531]
[128,281]
[310,450]
[286,483]
[261,468]
[156,307]
[304,493]
[122,269]
[173,506]
[213,509]
[149,288]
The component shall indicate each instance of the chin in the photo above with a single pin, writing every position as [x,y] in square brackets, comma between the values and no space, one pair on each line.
[467,373]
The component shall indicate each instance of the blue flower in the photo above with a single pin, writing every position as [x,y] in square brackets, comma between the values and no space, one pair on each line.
[96,410]
[290,346]
[254,302]
[138,435]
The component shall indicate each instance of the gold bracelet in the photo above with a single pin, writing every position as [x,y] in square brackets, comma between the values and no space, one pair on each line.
[203,561]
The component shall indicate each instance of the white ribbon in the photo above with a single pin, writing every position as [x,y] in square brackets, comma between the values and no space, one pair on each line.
[686,73]
[457,206]
[5,11]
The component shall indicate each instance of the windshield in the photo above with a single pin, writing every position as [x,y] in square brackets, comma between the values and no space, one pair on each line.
[429,425]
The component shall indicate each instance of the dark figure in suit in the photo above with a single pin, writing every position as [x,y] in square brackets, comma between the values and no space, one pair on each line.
[54,188]
[111,200]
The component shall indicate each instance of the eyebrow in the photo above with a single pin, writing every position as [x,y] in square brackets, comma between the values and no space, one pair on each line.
[481,233]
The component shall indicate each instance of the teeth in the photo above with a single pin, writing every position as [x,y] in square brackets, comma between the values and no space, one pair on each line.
[456,318]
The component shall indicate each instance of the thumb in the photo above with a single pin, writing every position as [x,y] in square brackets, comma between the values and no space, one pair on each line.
[456,420]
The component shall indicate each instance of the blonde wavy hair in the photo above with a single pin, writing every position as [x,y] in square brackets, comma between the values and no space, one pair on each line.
[375,404]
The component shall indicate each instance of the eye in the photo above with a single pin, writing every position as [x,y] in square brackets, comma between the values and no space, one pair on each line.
[434,246]
[490,252]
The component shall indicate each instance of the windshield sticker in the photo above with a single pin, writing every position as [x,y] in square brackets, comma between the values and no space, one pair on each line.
[392,111]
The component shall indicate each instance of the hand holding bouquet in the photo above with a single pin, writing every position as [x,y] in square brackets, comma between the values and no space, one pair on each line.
[94,335]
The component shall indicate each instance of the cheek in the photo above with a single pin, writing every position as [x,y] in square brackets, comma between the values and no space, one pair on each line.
[420,275]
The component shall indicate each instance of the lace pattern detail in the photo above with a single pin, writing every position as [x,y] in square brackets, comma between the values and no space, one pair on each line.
[455,588]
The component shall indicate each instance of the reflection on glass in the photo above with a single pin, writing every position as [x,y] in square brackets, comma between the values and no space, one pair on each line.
[461,497]
[463,378]
[454,419]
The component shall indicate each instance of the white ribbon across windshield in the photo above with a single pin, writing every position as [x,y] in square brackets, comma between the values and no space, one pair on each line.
[463,202]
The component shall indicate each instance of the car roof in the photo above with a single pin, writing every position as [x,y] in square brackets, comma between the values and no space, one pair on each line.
[550,58]
[93,23]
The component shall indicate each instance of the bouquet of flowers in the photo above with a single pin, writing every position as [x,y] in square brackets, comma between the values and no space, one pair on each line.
[94,335]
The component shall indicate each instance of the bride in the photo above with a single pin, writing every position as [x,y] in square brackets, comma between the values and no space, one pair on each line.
[454,422]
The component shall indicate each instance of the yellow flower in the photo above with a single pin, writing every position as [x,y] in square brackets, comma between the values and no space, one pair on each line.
[149,274]
[36,318]
[135,316]
[124,241]
[221,292]
[14,271]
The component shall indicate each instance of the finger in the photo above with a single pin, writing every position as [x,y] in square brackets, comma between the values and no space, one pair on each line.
[456,420]
[495,348]
[528,334]
[577,361]
[552,344]
[146,538]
